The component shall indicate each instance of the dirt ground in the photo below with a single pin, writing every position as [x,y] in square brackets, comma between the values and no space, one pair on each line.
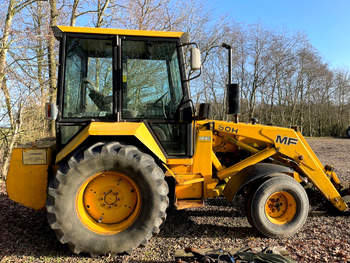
[26,237]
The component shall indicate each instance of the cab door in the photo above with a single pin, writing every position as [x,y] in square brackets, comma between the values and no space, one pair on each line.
[153,91]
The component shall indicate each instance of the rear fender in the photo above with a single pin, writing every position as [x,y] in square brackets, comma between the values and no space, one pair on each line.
[115,130]
[252,174]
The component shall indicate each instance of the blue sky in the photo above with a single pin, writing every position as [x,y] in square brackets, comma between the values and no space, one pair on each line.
[326,23]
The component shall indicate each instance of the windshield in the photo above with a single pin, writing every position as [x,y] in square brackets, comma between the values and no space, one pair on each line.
[151,80]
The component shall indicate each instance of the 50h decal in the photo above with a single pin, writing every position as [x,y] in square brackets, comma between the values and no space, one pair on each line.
[228,129]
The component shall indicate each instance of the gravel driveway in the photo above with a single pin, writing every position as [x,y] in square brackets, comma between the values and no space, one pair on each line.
[26,237]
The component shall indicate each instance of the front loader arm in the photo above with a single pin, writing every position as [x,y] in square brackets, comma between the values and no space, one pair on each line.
[285,145]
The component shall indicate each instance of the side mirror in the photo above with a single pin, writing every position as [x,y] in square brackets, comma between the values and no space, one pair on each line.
[195,58]
[51,111]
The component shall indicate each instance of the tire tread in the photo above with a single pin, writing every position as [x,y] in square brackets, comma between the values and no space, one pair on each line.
[144,161]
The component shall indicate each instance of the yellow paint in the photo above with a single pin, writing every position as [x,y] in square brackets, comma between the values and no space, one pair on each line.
[180,165]
[202,162]
[124,32]
[139,130]
[298,150]
[108,202]
[198,182]
[189,191]
[221,144]
[242,145]
[297,177]
[169,172]
[194,175]
[216,161]
[180,161]
[280,208]
[25,183]
[335,177]
[258,157]
[232,187]
[193,181]
[211,190]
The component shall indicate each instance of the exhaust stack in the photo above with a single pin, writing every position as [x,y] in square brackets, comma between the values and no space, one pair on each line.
[232,89]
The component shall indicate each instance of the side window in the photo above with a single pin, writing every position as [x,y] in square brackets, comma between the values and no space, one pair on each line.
[67,132]
[88,78]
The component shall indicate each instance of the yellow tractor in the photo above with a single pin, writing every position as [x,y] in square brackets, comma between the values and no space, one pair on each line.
[129,145]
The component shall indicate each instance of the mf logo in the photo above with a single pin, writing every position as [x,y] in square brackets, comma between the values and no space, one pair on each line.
[286,140]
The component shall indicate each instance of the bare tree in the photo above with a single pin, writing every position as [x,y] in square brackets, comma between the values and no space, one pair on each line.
[52,61]
[14,7]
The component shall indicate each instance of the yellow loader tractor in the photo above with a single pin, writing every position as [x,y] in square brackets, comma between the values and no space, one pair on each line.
[129,145]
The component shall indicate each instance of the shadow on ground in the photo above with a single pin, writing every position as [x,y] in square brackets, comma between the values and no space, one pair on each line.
[26,234]
[184,224]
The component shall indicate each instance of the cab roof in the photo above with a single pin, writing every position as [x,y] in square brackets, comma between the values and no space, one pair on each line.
[58,30]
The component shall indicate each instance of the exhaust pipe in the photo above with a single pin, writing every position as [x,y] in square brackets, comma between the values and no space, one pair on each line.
[232,89]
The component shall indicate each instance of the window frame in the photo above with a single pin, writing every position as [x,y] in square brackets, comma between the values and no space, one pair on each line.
[62,78]
[185,92]
[117,90]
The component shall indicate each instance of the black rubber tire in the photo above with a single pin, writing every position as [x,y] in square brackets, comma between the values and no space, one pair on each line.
[278,183]
[247,206]
[112,156]
[348,132]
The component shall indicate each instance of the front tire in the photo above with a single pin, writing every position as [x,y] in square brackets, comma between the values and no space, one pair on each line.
[109,199]
[279,207]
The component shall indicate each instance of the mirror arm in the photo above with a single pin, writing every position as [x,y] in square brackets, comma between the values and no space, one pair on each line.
[188,44]
[200,70]
[196,76]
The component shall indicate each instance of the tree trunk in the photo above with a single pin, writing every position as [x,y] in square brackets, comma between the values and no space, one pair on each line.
[73,17]
[4,46]
[7,155]
[52,61]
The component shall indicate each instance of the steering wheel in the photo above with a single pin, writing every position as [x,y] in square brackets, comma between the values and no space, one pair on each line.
[163,104]
[100,100]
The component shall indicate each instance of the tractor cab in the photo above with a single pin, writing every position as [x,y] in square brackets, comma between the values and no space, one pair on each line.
[111,75]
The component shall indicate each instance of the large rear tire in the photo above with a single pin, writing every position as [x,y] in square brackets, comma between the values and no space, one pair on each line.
[109,199]
[348,132]
[279,207]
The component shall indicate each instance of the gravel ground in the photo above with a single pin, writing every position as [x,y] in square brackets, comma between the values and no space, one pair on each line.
[26,237]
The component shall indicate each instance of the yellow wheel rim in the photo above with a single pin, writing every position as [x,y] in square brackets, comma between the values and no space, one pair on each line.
[280,207]
[108,202]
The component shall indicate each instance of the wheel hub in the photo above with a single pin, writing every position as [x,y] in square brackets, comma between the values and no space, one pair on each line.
[280,207]
[110,199]
[277,205]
